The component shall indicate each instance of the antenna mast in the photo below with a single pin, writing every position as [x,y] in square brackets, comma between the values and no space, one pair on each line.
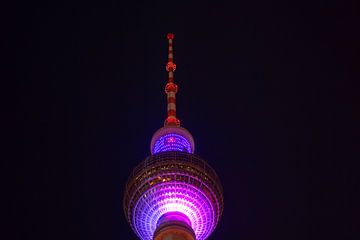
[171,88]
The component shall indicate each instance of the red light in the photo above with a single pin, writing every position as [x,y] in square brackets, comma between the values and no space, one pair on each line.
[171,140]
[170,36]
[170,66]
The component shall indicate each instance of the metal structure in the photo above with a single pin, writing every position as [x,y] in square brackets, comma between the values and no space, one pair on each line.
[173,194]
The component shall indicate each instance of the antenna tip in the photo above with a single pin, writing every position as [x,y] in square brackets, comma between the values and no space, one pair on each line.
[170,36]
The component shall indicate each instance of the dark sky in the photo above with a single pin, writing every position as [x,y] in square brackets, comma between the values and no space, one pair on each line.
[264,87]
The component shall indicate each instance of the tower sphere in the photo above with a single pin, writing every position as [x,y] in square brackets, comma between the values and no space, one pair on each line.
[170,182]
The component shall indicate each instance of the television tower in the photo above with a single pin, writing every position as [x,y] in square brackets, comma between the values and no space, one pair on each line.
[173,194]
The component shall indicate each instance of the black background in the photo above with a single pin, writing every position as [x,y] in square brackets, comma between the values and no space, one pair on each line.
[264,87]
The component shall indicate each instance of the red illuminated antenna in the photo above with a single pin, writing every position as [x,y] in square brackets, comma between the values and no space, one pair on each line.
[171,88]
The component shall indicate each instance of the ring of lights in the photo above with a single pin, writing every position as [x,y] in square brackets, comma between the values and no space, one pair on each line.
[172,139]
[173,182]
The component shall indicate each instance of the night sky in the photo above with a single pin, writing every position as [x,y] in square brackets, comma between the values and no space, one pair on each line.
[264,87]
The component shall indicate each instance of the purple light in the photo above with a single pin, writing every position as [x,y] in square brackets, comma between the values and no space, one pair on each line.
[171,138]
[173,180]
[172,142]
[173,185]
[174,216]
[174,197]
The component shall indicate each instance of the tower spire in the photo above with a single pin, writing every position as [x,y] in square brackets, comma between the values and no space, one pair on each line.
[171,88]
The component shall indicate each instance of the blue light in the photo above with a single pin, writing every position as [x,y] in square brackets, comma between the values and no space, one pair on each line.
[172,142]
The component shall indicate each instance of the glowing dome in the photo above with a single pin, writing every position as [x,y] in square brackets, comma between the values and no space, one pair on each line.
[172,138]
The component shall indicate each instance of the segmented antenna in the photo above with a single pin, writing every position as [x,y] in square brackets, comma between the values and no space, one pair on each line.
[171,88]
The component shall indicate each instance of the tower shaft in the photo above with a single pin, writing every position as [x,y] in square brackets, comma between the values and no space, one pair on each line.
[174,226]
[175,233]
